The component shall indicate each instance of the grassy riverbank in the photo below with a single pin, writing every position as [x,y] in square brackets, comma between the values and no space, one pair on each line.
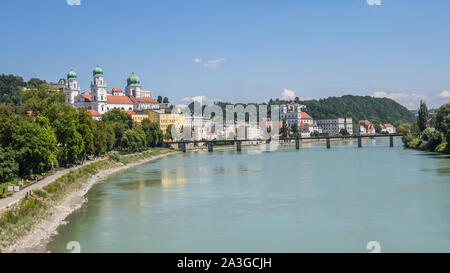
[22,217]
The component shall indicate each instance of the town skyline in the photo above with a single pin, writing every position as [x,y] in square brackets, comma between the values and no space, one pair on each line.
[238,52]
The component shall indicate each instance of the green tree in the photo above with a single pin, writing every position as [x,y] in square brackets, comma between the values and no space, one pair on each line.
[85,126]
[8,124]
[35,145]
[8,166]
[442,118]
[166,100]
[168,133]
[69,139]
[160,99]
[423,116]
[284,130]
[116,115]
[133,140]
[153,133]
[344,132]
[110,136]
[100,138]
[11,89]
[294,129]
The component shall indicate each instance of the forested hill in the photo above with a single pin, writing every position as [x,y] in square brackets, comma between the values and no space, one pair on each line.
[377,110]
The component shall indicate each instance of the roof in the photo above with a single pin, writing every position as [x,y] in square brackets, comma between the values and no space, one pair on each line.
[87,97]
[94,113]
[148,99]
[119,99]
[117,90]
[302,124]
[388,125]
[305,115]
[130,112]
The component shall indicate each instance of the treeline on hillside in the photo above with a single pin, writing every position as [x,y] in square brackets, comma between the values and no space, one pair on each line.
[431,136]
[39,131]
[377,110]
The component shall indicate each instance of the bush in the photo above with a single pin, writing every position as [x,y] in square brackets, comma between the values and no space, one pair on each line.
[442,147]
[115,156]
[414,143]
[432,138]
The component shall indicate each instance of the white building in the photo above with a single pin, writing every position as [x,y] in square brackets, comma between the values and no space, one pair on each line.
[100,100]
[388,128]
[333,126]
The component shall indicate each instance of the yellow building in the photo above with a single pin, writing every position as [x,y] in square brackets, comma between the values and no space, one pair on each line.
[139,117]
[165,119]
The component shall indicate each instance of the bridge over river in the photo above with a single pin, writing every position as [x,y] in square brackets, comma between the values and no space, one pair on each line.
[238,143]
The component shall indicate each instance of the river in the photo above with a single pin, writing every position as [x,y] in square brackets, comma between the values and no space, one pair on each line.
[311,200]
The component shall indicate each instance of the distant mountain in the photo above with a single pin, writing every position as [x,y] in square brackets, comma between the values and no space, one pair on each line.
[378,110]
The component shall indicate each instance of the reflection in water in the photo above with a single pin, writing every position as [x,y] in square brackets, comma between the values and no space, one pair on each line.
[315,200]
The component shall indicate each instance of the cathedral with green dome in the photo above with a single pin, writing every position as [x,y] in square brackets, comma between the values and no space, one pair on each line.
[99,101]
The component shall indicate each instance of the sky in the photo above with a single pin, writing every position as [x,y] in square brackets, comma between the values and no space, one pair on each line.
[237,50]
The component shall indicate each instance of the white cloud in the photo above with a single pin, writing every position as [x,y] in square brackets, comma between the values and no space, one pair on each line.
[374,2]
[444,94]
[73,2]
[197,60]
[287,94]
[213,63]
[201,99]
[410,101]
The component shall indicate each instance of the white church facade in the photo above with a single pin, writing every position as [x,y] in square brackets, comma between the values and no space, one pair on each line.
[100,101]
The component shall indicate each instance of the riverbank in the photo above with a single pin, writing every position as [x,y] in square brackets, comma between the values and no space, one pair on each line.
[28,224]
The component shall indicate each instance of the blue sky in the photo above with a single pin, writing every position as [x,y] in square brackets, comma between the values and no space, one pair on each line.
[237,51]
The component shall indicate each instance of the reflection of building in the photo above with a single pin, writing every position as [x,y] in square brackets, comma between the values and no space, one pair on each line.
[333,126]
[100,100]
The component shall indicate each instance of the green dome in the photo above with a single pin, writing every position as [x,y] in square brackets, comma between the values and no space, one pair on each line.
[98,71]
[133,79]
[71,75]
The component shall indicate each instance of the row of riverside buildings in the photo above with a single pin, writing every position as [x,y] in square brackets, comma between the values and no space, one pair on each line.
[139,105]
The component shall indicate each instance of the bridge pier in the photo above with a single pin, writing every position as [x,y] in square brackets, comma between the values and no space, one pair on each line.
[391,141]
[182,147]
[359,142]
[210,147]
[297,144]
[328,143]
[238,146]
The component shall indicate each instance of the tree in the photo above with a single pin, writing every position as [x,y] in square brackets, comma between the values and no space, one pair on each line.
[442,118]
[8,124]
[133,140]
[168,133]
[35,145]
[153,133]
[117,115]
[344,132]
[110,136]
[378,128]
[284,128]
[294,129]
[11,89]
[69,139]
[85,126]
[160,99]
[8,166]
[423,116]
[166,100]
[100,138]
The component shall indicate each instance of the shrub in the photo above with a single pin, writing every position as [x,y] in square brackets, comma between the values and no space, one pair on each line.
[414,143]
[432,138]
[40,193]
[442,147]
[115,156]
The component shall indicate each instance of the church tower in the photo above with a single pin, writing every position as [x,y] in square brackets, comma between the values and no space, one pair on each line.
[72,89]
[98,91]
[133,88]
